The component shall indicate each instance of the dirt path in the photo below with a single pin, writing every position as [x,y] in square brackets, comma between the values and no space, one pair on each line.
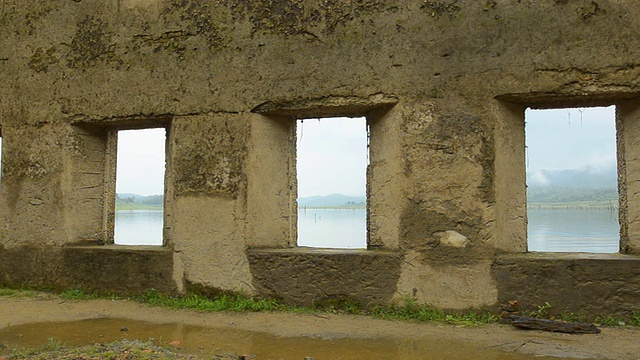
[266,329]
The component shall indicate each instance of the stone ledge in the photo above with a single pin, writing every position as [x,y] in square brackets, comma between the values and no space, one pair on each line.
[534,256]
[322,251]
[574,282]
[311,276]
[121,248]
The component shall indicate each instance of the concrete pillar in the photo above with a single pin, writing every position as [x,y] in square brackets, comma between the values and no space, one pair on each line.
[271,182]
[628,136]
[385,177]
[208,154]
[510,178]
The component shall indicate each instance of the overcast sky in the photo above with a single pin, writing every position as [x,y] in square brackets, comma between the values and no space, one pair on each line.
[332,153]
[332,156]
[140,162]
[570,139]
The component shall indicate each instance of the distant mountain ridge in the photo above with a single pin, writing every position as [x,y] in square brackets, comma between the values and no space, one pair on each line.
[332,200]
[575,185]
[128,198]
[577,178]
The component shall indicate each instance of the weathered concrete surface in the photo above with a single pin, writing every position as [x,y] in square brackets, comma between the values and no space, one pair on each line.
[113,269]
[317,277]
[443,85]
[575,283]
[446,284]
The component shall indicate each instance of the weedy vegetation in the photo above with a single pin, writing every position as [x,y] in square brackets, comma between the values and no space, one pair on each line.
[407,309]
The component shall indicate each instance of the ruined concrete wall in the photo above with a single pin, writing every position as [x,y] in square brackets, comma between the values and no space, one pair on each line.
[443,85]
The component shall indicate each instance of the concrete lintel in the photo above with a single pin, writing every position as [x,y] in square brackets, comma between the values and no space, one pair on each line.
[545,100]
[133,122]
[329,106]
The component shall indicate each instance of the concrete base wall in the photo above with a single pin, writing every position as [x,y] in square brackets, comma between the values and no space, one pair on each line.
[578,283]
[106,269]
[320,277]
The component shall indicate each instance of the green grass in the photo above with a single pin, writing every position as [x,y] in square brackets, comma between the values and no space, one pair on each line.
[546,312]
[410,309]
[8,292]
[125,349]
[19,292]
[75,294]
[51,346]
[224,302]
[407,309]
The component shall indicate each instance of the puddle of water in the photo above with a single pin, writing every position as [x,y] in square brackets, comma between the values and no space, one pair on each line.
[205,341]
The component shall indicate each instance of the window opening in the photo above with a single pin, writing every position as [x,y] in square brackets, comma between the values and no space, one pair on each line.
[572,189]
[140,187]
[332,156]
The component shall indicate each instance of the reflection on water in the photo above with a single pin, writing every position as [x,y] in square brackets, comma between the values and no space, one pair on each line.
[573,230]
[208,342]
[332,228]
[138,227]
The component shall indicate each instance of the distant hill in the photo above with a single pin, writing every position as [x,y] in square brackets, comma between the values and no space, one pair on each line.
[563,194]
[332,200]
[578,178]
[570,186]
[127,198]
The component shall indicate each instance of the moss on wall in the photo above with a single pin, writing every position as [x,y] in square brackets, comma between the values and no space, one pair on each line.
[91,44]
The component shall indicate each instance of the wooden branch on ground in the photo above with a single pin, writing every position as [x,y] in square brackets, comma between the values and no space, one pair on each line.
[525,322]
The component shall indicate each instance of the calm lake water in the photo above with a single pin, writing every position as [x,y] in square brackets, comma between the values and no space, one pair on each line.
[138,227]
[550,230]
[332,228]
[573,230]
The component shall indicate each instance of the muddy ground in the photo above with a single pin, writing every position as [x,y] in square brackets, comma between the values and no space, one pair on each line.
[30,321]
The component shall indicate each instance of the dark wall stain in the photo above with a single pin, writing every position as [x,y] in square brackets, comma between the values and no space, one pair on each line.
[210,157]
[91,44]
[171,41]
[338,12]
[42,59]
[588,12]
[198,16]
[439,8]
[289,17]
